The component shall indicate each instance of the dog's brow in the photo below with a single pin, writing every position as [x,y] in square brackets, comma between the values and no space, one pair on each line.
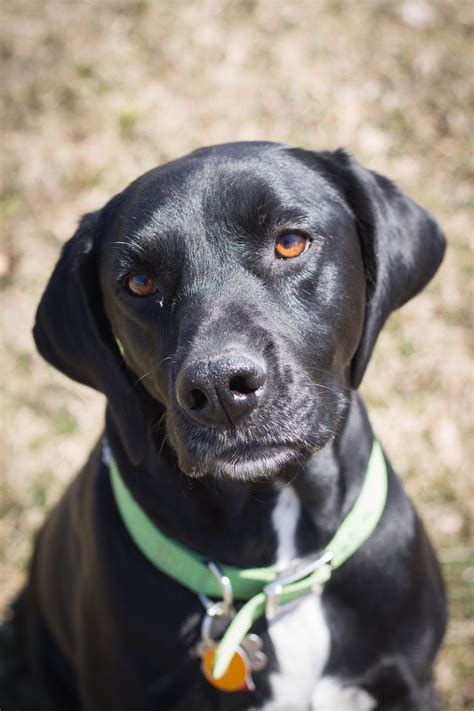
[132,247]
[129,254]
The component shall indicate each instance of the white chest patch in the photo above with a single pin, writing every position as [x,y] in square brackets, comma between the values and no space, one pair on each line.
[299,631]
[330,695]
[301,640]
[285,519]
[301,637]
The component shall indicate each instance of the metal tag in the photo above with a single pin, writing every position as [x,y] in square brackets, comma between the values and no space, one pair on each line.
[237,676]
[248,656]
[252,645]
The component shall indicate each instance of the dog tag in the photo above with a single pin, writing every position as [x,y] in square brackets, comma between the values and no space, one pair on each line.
[247,659]
[237,676]
[252,646]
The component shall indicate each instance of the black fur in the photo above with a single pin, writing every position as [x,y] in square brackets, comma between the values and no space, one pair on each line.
[102,628]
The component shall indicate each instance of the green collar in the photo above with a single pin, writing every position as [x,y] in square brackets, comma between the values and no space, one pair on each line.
[258,586]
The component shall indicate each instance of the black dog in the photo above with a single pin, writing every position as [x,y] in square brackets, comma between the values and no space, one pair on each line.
[227,304]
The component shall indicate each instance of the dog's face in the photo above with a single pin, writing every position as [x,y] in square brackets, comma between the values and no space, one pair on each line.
[236,286]
[246,285]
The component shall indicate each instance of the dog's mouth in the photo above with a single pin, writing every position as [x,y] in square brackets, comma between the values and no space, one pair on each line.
[255,461]
[281,432]
[244,460]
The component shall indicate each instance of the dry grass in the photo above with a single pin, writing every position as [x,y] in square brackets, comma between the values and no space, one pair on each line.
[96,93]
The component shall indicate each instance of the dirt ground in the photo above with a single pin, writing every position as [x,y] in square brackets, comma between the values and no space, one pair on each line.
[95,93]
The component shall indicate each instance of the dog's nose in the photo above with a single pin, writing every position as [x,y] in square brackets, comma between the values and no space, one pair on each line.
[221,389]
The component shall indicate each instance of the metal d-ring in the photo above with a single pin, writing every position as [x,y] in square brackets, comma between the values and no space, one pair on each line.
[218,613]
[225,585]
[224,606]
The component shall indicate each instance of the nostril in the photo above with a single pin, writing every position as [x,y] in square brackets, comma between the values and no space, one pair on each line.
[221,388]
[243,386]
[197,400]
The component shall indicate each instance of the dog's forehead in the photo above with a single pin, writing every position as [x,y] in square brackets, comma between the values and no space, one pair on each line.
[229,187]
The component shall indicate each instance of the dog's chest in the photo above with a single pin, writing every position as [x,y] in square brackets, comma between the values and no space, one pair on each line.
[301,637]
[298,632]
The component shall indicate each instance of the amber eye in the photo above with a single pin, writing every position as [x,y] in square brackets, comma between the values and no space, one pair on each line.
[291,245]
[140,285]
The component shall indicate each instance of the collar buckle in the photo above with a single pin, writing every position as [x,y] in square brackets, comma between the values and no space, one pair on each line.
[297,570]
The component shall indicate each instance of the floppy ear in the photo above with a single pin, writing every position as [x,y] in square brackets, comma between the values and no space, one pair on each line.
[402,248]
[72,333]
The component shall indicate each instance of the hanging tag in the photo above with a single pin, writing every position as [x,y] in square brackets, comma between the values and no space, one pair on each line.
[252,645]
[237,676]
[247,659]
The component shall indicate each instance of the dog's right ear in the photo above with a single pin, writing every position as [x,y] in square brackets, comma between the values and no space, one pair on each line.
[72,333]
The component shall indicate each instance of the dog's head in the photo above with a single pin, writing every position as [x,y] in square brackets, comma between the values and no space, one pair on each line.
[240,290]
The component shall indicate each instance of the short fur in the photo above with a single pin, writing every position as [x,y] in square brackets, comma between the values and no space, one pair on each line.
[100,626]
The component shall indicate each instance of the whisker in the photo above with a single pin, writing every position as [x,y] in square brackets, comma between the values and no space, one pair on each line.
[156,427]
[165,437]
[298,471]
[336,434]
[328,372]
[142,377]
[133,247]
[164,359]
[181,474]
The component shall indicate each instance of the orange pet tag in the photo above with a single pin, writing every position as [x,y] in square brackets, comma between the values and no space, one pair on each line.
[237,677]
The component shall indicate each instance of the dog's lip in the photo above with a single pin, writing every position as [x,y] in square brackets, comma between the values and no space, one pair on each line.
[251,451]
[252,462]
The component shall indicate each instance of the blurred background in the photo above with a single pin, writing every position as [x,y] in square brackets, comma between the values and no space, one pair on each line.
[96,93]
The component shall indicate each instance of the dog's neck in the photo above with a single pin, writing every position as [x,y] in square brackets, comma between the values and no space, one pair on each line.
[256,523]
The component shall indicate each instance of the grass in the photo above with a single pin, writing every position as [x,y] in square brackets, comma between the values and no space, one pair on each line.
[96,93]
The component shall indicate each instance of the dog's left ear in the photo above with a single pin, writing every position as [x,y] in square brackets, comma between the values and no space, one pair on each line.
[402,246]
[72,333]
